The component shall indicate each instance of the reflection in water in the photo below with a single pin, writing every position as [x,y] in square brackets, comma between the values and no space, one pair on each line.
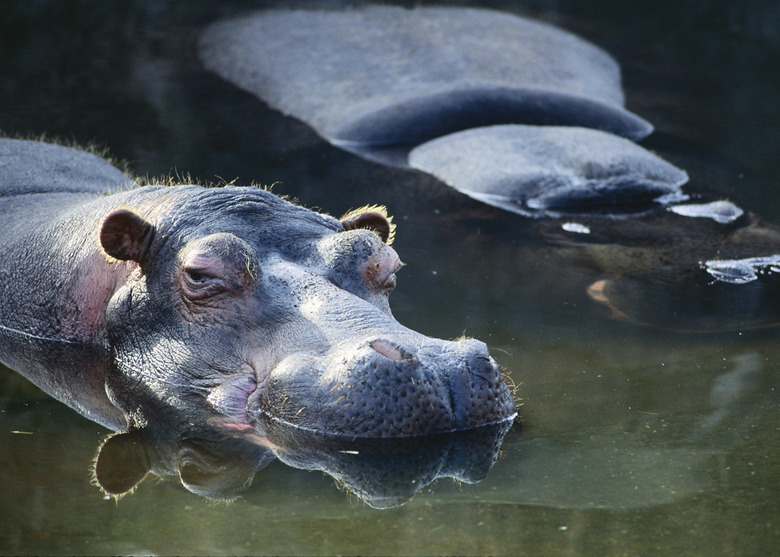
[388,472]
[642,460]
[220,460]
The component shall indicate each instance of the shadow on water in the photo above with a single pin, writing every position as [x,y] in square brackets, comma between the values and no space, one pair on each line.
[635,439]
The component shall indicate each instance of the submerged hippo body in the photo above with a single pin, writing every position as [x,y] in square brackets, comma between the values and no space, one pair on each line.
[226,301]
[512,112]
[522,116]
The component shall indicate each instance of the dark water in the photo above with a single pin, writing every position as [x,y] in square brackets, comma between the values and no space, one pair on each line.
[636,441]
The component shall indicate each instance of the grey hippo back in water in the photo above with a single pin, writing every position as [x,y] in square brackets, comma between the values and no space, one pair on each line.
[523,116]
[223,300]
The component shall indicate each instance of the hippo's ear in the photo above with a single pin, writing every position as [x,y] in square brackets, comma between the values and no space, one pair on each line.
[371,217]
[122,463]
[126,235]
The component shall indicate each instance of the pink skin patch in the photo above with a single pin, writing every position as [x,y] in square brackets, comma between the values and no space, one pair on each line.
[231,396]
[90,291]
[387,349]
[246,432]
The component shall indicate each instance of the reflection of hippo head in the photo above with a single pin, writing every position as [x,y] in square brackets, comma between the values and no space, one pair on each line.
[219,461]
[255,306]
[389,472]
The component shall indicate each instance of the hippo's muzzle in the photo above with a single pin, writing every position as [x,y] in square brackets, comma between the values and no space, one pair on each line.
[389,387]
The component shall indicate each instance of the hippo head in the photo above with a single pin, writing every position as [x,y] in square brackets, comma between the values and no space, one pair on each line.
[239,303]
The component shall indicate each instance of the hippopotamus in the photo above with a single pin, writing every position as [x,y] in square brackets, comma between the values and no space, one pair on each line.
[228,301]
[551,171]
[372,77]
[522,116]
[695,267]
[512,112]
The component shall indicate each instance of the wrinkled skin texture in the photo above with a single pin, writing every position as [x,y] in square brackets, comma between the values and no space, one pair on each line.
[227,300]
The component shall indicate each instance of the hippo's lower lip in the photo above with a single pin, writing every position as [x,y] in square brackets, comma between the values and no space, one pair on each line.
[388,388]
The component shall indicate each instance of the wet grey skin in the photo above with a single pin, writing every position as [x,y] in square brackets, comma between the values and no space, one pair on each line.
[514,113]
[551,170]
[226,301]
[378,80]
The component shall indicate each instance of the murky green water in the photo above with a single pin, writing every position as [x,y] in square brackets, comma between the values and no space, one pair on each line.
[635,441]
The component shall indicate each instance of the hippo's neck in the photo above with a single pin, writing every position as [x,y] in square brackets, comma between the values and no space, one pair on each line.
[55,281]
[88,289]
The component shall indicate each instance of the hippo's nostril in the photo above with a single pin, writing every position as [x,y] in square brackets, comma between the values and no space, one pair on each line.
[389,350]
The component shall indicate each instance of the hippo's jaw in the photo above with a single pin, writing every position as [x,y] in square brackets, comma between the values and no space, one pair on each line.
[388,387]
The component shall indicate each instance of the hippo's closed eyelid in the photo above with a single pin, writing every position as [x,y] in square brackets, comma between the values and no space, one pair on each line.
[199,285]
[198,270]
[198,275]
[216,266]
[229,314]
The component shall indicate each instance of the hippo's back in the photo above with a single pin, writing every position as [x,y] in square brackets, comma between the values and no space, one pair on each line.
[32,167]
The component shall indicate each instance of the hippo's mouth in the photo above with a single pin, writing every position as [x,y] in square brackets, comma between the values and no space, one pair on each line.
[385,388]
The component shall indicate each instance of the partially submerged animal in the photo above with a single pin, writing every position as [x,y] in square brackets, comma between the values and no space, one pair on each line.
[383,82]
[162,308]
[519,115]
[550,170]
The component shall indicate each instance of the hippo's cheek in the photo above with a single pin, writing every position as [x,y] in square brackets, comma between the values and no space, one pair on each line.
[384,389]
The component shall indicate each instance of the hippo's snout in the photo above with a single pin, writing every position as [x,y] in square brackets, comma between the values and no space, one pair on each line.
[390,388]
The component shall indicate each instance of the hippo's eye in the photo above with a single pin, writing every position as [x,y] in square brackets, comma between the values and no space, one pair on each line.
[196,276]
[199,283]
[214,269]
